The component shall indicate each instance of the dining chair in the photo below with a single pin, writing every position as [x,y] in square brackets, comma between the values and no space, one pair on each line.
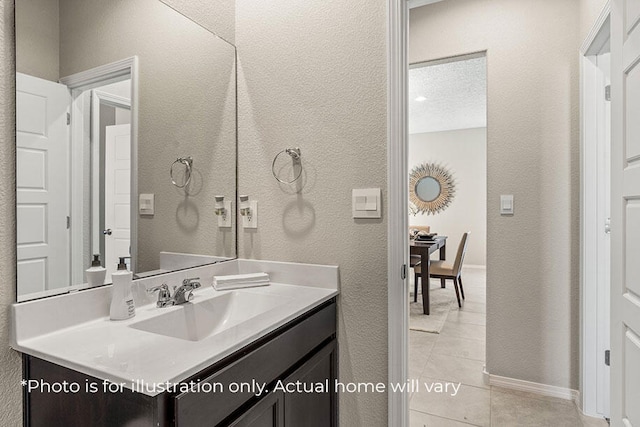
[443,270]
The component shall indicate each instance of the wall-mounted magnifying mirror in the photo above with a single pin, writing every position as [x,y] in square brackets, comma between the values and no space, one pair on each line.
[108,94]
[431,188]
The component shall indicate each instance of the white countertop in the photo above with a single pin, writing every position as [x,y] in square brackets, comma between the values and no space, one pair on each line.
[114,351]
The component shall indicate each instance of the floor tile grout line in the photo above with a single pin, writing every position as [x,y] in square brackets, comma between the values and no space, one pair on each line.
[467,385]
[458,382]
[445,418]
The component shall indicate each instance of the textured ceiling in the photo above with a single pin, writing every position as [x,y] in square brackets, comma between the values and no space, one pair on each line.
[455,96]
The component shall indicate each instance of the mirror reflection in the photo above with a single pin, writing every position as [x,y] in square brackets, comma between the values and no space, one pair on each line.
[428,189]
[108,95]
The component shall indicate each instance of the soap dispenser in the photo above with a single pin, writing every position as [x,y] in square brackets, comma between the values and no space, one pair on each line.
[96,273]
[122,305]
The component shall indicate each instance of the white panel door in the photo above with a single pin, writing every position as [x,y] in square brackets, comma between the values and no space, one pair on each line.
[625,213]
[117,202]
[42,184]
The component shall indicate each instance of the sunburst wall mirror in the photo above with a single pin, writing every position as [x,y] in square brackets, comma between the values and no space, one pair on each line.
[431,188]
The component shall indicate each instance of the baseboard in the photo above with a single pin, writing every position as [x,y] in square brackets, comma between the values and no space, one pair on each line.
[535,388]
[483,267]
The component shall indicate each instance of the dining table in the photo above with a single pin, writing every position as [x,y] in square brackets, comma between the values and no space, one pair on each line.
[425,248]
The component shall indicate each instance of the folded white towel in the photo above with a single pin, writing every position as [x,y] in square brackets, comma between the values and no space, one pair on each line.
[238,281]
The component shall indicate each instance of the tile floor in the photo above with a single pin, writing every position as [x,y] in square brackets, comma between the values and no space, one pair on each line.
[457,355]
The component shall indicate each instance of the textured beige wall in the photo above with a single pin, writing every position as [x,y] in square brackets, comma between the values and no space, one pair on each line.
[218,16]
[11,372]
[589,12]
[186,108]
[313,74]
[532,153]
[37,38]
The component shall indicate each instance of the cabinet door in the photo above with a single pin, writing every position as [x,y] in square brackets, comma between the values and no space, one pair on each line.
[316,406]
[268,412]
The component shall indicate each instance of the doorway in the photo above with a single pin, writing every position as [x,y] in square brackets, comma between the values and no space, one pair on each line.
[447,134]
[93,92]
[111,172]
[595,213]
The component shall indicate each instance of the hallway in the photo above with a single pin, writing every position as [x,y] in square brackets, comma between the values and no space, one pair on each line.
[457,356]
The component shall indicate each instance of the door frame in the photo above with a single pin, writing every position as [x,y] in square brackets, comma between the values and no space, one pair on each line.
[98,99]
[594,309]
[80,130]
[398,214]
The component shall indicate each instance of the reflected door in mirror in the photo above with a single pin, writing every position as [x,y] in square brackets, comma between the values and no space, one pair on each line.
[42,192]
[117,194]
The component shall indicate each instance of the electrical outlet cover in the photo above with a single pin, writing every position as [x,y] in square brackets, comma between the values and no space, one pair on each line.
[251,221]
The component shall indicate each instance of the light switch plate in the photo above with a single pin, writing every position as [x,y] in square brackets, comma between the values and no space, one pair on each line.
[146,204]
[506,204]
[251,221]
[366,203]
[224,221]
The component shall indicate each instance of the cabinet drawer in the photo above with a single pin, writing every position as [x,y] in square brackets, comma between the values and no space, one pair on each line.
[263,365]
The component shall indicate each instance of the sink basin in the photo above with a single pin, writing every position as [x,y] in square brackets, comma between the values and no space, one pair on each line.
[198,320]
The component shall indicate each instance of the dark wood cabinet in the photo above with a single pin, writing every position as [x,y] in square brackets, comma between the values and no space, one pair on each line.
[315,405]
[268,412]
[302,351]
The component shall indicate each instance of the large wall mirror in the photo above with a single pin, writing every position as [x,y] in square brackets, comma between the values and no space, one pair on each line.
[125,135]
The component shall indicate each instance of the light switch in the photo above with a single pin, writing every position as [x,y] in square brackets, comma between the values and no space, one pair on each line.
[146,204]
[366,203]
[506,204]
[361,203]
[372,203]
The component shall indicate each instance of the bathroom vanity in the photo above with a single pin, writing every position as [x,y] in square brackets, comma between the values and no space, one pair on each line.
[262,356]
[134,118]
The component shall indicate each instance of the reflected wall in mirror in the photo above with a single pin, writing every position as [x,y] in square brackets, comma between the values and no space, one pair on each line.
[109,95]
[431,188]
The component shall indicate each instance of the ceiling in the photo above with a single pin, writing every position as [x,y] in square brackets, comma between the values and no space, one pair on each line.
[448,95]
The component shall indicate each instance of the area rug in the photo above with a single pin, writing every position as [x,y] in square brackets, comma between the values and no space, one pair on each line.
[441,300]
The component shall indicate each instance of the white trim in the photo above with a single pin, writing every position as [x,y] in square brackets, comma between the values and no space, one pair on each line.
[398,215]
[535,388]
[592,310]
[99,76]
[112,100]
[596,39]
[417,3]
[78,132]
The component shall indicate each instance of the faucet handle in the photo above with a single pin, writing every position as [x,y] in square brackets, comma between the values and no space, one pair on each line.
[160,288]
[191,282]
[164,295]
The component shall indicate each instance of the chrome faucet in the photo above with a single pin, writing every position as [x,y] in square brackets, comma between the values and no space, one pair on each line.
[185,292]
[180,296]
